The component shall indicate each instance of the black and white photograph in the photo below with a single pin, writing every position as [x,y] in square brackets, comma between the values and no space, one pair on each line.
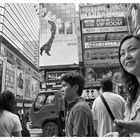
[70,68]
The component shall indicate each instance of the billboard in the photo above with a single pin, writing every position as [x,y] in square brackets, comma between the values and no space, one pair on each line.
[110,24]
[58,38]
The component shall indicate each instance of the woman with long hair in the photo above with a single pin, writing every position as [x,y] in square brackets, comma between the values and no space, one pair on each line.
[9,122]
[129,58]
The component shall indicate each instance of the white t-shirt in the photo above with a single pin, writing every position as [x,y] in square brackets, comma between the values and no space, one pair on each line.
[9,123]
[101,115]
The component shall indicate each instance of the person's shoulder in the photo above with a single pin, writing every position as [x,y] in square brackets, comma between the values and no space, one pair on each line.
[119,96]
[10,114]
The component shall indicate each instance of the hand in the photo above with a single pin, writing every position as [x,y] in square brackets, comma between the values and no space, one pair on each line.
[121,127]
[112,134]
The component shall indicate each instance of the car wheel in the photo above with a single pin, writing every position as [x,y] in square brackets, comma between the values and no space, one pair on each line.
[50,129]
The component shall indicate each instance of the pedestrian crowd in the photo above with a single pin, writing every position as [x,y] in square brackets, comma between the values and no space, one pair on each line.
[110,116]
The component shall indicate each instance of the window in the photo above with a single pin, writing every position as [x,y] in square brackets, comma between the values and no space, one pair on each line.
[40,101]
[44,99]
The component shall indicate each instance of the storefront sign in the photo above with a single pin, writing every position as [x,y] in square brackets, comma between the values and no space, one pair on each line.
[104,22]
[111,24]
[101,44]
[101,10]
[105,29]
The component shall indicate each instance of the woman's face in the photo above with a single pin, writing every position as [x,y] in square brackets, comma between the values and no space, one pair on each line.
[130,56]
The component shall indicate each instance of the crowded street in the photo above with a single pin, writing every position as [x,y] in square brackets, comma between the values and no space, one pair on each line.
[69,69]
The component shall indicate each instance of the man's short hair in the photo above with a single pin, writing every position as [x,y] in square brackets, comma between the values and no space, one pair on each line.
[106,84]
[74,78]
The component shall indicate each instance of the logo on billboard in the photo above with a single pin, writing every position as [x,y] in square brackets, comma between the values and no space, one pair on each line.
[104,22]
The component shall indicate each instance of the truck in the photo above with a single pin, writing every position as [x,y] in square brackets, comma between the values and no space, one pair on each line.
[48,113]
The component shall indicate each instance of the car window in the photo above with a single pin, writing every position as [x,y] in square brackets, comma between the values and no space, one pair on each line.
[39,102]
[50,100]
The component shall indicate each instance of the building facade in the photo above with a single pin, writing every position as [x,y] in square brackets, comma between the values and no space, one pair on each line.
[19,49]
[102,28]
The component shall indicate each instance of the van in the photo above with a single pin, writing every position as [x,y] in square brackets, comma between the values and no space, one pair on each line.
[47,113]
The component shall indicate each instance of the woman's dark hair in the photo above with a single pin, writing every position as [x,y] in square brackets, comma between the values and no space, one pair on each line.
[130,80]
[7,101]
[74,78]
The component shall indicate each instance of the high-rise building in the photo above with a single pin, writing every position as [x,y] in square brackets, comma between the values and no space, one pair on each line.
[19,48]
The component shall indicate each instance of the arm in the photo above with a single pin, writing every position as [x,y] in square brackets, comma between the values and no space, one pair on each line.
[17,134]
[17,127]
[126,127]
[94,115]
[80,124]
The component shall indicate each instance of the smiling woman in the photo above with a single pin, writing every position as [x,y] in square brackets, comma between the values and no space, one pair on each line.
[129,58]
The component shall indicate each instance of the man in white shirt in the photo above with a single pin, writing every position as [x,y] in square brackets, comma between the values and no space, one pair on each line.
[102,120]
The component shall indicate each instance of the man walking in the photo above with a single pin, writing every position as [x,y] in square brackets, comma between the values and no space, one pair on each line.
[102,120]
[79,119]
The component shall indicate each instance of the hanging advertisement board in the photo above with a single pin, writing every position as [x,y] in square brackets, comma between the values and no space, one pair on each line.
[133,18]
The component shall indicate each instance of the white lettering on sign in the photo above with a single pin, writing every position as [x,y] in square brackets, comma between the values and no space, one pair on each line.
[107,22]
[118,23]
[105,29]
[101,44]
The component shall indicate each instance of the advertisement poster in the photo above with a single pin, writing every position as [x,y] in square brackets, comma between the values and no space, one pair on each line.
[27,94]
[133,18]
[58,38]
[10,78]
[20,84]
[34,88]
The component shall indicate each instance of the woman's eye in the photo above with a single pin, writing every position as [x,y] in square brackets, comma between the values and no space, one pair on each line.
[122,54]
[133,49]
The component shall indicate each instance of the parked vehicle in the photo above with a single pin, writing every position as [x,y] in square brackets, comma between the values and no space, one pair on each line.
[47,112]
